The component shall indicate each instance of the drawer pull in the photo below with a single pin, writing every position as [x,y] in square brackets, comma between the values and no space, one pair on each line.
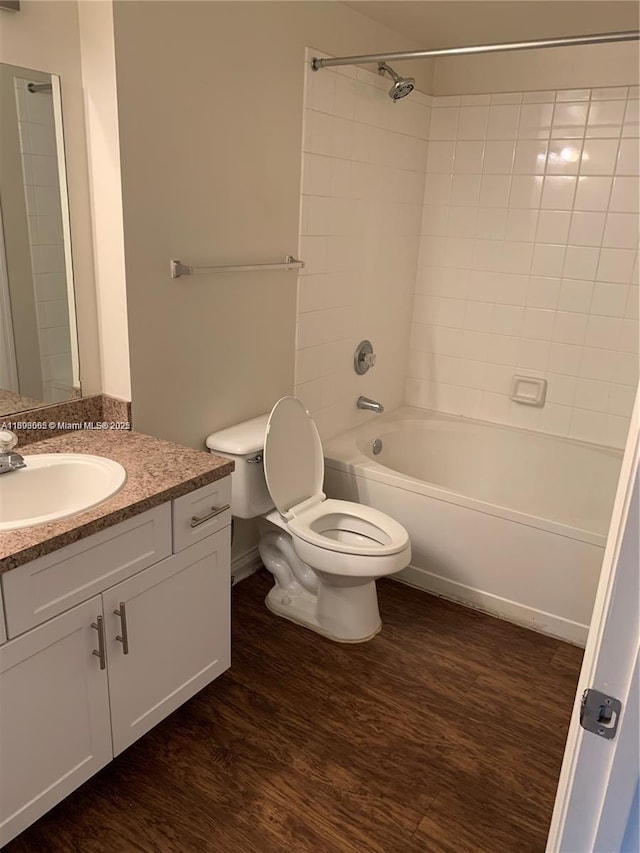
[215,510]
[99,652]
[124,637]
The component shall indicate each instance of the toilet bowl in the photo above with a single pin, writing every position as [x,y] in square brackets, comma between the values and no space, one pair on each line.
[325,555]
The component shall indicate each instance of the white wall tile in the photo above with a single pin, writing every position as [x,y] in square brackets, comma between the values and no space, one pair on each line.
[621,231]
[581,262]
[444,123]
[570,327]
[624,195]
[548,259]
[558,192]
[603,332]
[593,193]
[564,358]
[575,295]
[543,292]
[530,157]
[503,121]
[616,265]
[521,224]
[526,191]
[630,126]
[573,95]
[628,157]
[610,93]
[506,97]
[599,157]
[465,189]
[363,191]
[519,244]
[586,228]
[535,119]
[538,323]
[609,300]
[495,190]
[553,226]
[498,157]
[605,118]
[563,157]
[468,157]
[440,157]
[472,122]
[569,119]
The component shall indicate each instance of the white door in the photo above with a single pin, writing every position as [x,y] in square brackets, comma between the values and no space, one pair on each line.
[178,635]
[599,776]
[54,716]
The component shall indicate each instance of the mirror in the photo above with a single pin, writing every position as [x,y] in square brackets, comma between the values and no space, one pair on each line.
[38,337]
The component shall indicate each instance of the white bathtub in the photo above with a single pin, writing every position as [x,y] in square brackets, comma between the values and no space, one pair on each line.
[510,521]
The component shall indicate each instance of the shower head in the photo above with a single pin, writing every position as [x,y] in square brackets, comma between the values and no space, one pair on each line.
[402,86]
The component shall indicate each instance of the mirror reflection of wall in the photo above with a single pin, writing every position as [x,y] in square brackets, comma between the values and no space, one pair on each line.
[38,339]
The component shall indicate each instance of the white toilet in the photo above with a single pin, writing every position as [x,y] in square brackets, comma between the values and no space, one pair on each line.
[325,555]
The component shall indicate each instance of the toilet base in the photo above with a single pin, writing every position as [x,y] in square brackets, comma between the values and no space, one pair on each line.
[302,607]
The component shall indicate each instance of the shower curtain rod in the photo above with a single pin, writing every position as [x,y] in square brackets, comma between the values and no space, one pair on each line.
[599,38]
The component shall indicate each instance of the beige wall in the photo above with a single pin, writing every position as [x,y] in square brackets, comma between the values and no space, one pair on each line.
[210,111]
[558,68]
[44,36]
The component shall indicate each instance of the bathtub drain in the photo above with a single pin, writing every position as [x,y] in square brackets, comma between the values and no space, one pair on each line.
[376,446]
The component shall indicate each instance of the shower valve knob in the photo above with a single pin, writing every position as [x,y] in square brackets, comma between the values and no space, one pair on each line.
[364,357]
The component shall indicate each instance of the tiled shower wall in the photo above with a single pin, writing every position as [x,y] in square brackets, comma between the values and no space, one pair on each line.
[364,163]
[40,167]
[528,260]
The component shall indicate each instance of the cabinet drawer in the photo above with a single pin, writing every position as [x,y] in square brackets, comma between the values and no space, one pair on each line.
[195,515]
[51,584]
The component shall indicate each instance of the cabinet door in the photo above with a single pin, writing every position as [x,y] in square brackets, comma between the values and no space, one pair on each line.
[177,631]
[54,716]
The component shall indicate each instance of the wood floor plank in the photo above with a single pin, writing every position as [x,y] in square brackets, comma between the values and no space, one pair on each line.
[428,739]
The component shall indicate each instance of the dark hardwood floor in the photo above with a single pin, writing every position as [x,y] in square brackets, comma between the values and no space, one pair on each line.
[444,733]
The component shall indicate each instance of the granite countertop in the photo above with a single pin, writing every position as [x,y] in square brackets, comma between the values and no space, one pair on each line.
[157,471]
[11,402]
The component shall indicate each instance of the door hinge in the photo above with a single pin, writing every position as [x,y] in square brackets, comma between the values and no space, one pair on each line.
[600,713]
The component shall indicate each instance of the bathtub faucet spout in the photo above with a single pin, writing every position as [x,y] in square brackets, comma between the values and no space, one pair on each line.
[369,405]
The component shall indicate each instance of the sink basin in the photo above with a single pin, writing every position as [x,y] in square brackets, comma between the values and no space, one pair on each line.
[56,485]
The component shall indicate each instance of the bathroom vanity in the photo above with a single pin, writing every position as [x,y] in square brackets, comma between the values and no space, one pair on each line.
[111,619]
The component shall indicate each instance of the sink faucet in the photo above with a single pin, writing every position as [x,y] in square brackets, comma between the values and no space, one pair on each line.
[369,405]
[9,461]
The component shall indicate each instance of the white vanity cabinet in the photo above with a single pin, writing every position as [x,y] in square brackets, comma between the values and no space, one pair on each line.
[55,730]
[176,638]
[85,683]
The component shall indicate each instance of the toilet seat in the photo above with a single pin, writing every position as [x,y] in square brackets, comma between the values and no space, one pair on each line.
[323,529]
[350,528]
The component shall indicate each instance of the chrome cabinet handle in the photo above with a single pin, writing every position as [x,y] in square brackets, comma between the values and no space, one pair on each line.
[215,510]
[124,637]
[99,652]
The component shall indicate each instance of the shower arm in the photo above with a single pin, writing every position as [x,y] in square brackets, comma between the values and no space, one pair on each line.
[383,67]
[571,41]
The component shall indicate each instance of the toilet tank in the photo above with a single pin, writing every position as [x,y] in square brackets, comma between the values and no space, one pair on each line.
[244,443]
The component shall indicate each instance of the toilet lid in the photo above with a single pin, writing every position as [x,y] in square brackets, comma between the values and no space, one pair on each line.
[293,460]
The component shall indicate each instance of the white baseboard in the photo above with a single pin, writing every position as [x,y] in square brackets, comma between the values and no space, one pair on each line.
[503,608]
[245,565]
